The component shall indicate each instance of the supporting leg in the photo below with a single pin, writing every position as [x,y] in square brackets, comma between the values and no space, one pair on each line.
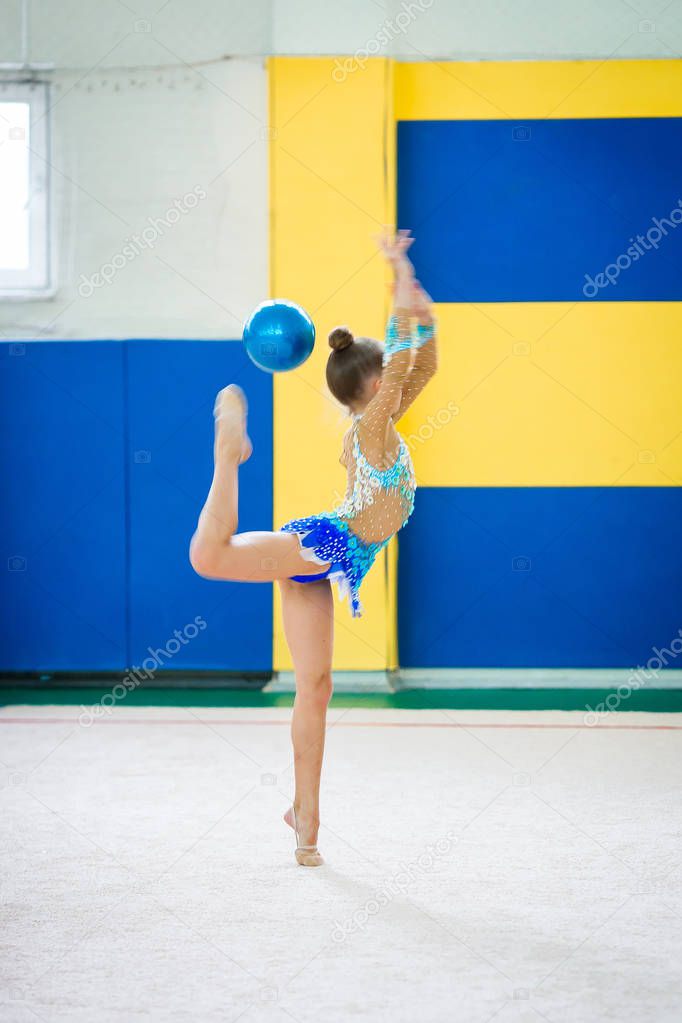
[308,613]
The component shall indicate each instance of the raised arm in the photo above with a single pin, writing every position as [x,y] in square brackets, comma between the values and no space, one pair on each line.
[426,342]
[398,358]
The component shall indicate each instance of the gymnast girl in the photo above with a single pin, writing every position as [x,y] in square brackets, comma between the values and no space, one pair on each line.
[376,383]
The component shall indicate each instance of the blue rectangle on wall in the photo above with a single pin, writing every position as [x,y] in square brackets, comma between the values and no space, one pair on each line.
[535,211]
[547,577]
[172,387]
[63,512]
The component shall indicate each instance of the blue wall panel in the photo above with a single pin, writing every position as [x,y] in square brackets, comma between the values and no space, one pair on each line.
[63,517]
[540,576]
[172,387]
[521,212]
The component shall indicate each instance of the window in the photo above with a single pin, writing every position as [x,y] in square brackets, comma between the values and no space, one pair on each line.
[25,270]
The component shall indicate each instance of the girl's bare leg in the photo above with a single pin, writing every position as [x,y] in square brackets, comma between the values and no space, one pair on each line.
[308,613]
[217,551]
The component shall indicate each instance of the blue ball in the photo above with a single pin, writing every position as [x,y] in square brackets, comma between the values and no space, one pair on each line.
[279,335]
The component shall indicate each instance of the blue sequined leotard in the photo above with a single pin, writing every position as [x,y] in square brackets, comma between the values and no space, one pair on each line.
[378,501]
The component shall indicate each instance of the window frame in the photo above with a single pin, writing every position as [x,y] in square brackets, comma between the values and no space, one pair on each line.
[37,281]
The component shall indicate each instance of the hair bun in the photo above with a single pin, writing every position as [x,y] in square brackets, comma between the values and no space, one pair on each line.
[340,338]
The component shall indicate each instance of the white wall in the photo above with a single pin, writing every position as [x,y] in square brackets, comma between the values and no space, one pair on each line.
[482,29]
[126,33]
[127,145]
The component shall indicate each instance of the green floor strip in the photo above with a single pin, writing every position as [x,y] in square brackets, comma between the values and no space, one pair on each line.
[659,700]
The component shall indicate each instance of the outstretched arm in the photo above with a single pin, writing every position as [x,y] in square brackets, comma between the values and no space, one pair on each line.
[398,359]
[426,358]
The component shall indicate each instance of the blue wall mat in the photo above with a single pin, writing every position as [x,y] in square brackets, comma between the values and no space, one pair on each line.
[172,387]
[62,518]
[521,212]
[540,577]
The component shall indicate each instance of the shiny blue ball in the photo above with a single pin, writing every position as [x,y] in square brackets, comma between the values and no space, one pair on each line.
[279,335]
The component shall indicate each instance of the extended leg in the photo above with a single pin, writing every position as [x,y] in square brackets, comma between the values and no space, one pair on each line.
[218,519]
[308,613]
[217,551]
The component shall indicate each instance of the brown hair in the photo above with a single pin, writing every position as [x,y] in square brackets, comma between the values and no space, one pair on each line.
[351,362]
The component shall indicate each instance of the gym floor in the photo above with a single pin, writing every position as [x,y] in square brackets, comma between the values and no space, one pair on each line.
[526,857]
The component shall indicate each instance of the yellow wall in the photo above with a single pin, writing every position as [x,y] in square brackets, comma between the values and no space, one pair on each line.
[527,89]
[550,394]
[331,189]
[529,394]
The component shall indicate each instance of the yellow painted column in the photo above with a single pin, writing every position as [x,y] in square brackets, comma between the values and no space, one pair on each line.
[332,187]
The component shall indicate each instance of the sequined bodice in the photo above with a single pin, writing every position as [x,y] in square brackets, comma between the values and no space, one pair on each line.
[378,502]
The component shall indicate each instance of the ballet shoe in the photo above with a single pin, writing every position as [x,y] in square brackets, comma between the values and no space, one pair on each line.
[230,411]
[306,855]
